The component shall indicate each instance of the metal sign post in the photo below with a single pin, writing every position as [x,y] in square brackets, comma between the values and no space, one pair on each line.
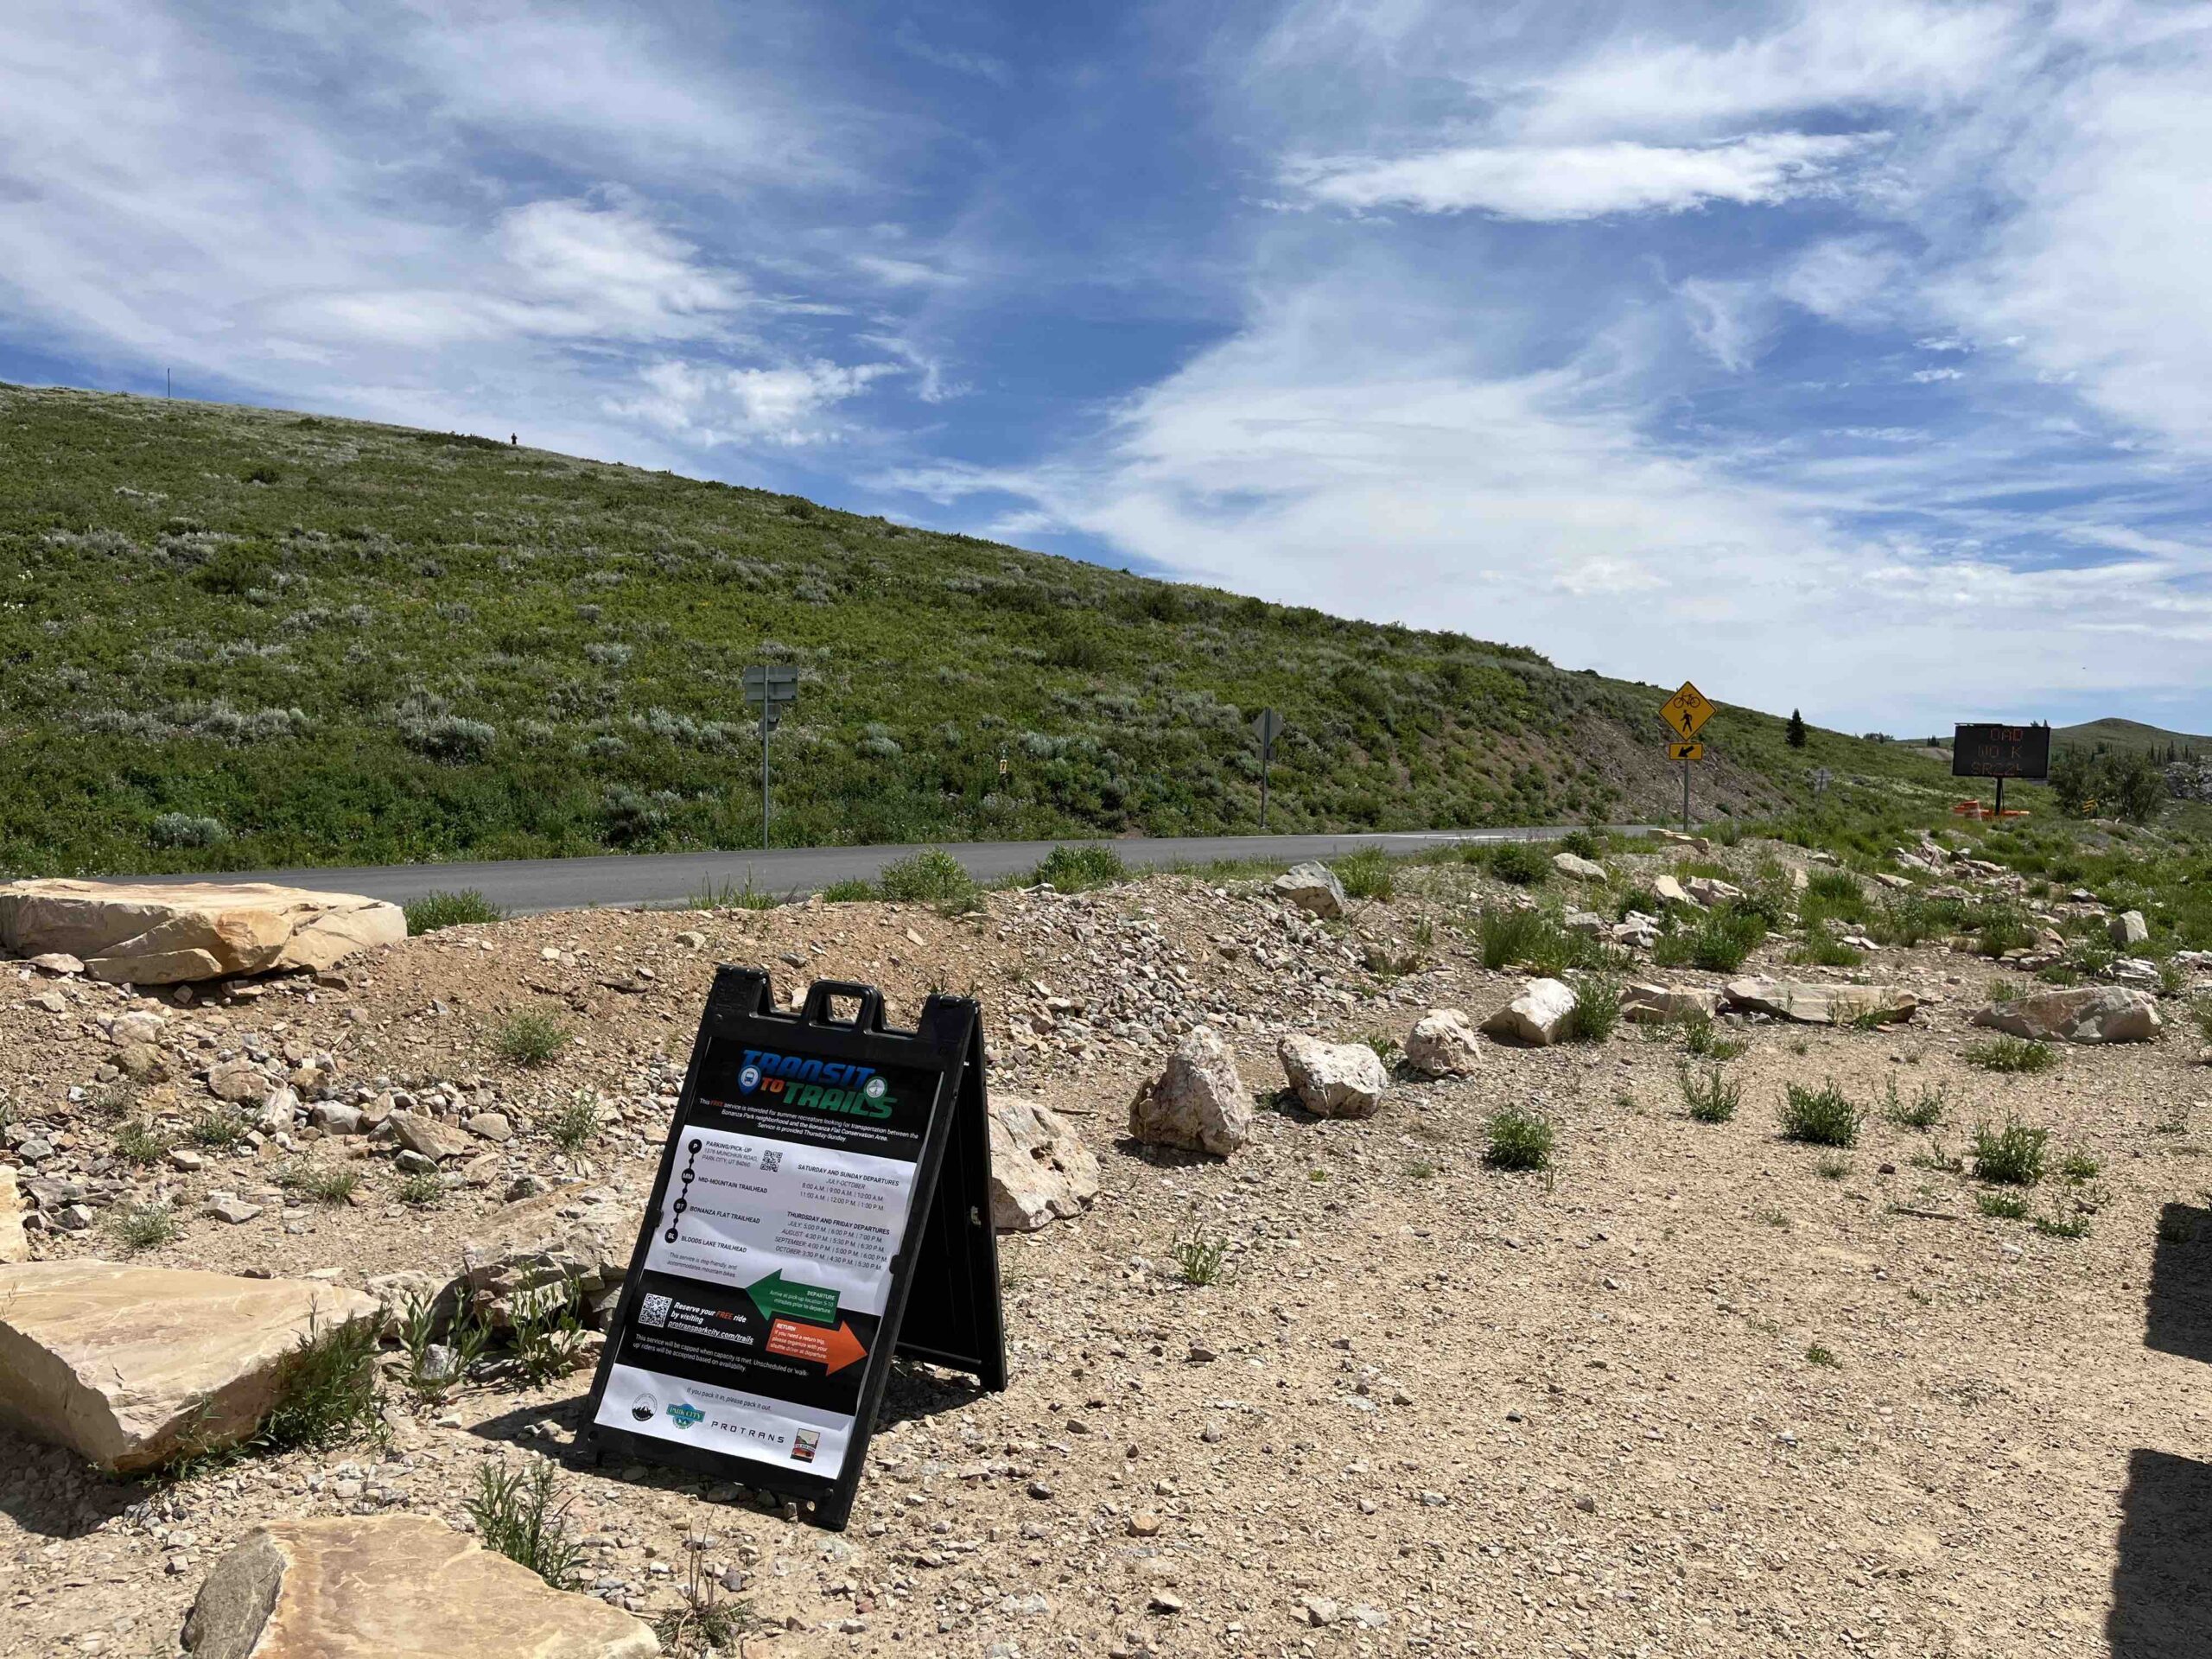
[770,691]
[1821,778]
[1686,711]
[1266,727]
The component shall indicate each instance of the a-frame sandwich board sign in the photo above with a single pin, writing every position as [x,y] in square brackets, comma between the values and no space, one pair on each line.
[823,1203]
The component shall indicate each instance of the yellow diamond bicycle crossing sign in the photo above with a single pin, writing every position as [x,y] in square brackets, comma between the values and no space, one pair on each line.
[1686,710]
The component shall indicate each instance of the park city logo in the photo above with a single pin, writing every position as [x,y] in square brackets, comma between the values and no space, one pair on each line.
[684,1415]
[815,1085]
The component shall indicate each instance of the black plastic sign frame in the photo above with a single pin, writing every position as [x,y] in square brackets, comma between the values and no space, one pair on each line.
[2000,751]
[823,1203]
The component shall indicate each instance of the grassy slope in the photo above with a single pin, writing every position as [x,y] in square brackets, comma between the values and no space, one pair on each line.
[2119,734]
[280,624]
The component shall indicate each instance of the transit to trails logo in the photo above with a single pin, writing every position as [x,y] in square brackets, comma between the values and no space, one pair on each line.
[815,1085]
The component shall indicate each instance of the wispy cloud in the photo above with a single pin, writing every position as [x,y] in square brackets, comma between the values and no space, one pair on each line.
[1572,181]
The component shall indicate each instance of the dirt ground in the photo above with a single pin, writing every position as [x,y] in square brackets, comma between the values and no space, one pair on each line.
[1696,1391]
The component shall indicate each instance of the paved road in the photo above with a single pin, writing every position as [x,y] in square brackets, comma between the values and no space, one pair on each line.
[525,885]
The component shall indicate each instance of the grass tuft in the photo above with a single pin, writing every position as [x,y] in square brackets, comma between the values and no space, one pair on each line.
[1080,869]
[932,877]
[1710,1097]
[519,1514]
[2010,1054]
[1823,1118]
[573,1122]
[531,1036]
[1367,872]
[143,1226]
[435,909]
[2012,1155]
[1518,1140]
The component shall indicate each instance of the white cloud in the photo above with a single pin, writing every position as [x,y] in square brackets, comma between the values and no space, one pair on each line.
[788,405]
[1583,181]
[2096,267]
[1922,377]
[1730,319]
[1863,54]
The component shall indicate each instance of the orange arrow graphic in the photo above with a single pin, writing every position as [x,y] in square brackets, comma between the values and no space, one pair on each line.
[832,1349]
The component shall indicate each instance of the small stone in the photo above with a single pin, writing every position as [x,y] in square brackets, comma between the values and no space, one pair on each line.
[1318,1611]
[184,1157]
[236,1211]
[1165,1601]
[1039,1490]
[1145,1524]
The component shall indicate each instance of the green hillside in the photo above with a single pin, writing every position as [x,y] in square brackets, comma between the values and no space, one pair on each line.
[240,636]
[2117,735]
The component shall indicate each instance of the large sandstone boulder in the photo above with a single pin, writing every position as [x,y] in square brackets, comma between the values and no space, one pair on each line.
[1443,1044]
[394,1587]
[1670,890]
[2087,1013]
[1661,1005]
[1198,1102]
[1574,866]
[14,1246]
[2128,929]
[162,933]
[1710,890]
[1811,1004]
[1313,888]
[1333,1079]
[120,1362]
[1539,1017]
[1040,1170]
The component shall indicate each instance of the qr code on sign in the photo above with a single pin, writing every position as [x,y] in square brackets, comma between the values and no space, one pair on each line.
[655,1311]
[770,1162]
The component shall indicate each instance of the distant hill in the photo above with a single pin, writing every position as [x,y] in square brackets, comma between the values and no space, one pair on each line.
[2118,734]
[236,637]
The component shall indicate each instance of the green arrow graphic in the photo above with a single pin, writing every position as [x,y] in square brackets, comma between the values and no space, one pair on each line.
[776,1294]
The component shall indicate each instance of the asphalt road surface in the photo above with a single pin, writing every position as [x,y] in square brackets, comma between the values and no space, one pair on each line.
[525,885]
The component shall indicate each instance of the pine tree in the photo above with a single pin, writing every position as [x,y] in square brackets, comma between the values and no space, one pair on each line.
[1797,730]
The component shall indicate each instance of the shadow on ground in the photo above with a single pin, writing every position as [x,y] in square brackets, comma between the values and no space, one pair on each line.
[2161,1592]
[51,1491]
[2177,1310]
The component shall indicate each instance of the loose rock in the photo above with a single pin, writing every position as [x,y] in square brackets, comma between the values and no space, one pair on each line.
[1198,1102]
[1442,1044]
[2087,1013]
[1537,1018]
[1040,1170]
[1334,1079]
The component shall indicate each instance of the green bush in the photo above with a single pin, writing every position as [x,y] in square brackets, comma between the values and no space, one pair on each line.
[1518,1140]
[2010,1054]
[519,1514]
[932,877]
[1710,1097]
[2011,1156]
[1518,863]
[1825,1116]
[1923,1112]
[435,909]
[1597,1008]
[1366,873]
[531,1036]
[1717,941]
[1079,869]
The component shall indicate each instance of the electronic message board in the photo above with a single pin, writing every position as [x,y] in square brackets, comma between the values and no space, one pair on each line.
[2001,751]
[823,1202]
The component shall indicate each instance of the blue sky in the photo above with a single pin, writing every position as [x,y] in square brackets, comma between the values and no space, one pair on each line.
[1850,356]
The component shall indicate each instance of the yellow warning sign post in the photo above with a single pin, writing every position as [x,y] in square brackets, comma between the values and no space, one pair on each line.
[1684,713]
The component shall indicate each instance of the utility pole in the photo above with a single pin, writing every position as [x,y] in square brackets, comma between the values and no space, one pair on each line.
[769,690]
